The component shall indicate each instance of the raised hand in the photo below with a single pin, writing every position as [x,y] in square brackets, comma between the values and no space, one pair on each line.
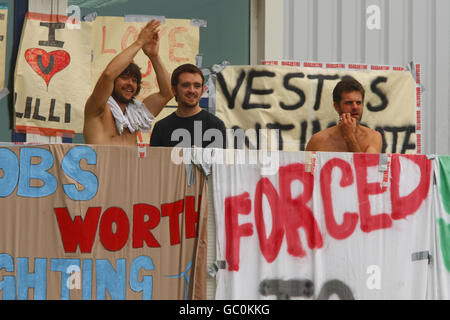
[150,38]
[347,124]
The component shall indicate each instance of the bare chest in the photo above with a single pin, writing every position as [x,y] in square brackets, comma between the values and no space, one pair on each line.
[336,142]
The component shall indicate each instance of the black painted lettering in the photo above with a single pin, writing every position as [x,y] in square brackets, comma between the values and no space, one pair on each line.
[321,79]
[46,69]
[384,101]
[18,114]
[68,108]
[28,108]
[238,138]
[285,289]
[407,145]
[231,98]
[52,42]
[297,90]
[303,127]
[281,127]
[36,115]
[249,90]
[52,117]
[335,287]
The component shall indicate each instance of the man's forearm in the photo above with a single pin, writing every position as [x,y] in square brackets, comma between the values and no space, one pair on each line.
[352,144]
[162,76]
[123,59]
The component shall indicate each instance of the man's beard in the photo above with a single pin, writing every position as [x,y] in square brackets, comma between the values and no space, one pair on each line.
[190,105]
[121,99]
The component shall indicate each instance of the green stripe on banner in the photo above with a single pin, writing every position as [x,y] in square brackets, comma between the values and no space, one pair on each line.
[444,235]
[444,173]
[3,5]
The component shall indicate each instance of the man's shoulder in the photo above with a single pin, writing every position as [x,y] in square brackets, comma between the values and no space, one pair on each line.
[370,132]
[320,140]
[166,120]
[324,134]
[212,118]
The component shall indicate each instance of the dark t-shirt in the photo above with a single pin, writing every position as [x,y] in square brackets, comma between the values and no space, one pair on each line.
[175,131]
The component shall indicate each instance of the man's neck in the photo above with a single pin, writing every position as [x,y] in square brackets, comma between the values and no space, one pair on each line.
[123,106]
[185,112]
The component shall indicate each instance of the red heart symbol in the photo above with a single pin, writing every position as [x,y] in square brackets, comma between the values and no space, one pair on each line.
[47,64]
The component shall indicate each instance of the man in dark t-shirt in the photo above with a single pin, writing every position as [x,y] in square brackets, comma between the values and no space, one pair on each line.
[189,125]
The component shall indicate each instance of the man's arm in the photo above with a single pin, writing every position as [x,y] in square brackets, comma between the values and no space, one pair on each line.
[96,103]
[375,143]
[313,143]
[156,101]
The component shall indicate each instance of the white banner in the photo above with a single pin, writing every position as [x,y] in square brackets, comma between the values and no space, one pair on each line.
[324,226]
[298,102]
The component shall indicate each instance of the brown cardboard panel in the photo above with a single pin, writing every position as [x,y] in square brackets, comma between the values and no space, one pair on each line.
[126,227]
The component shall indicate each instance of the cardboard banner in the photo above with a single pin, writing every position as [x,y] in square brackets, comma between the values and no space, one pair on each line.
[84,222]
[324,226]
[3,35]
[59,63]
[298,102]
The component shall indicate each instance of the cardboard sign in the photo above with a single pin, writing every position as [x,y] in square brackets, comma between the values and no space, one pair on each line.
[73,226]
[58,66]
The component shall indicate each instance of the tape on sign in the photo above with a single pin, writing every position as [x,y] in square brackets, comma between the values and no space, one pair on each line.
[198,23]
[385,167]
[143,18]
[310,161]
[422,255]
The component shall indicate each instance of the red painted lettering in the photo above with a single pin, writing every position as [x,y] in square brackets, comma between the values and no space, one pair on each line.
[270,247]
[103,43]
[233,231]
[407,205]
[111,240]
[369,222]
[130,31]
[174,44]
[296,214]
[350,219]
[149,69]
[78,232]
[141,228]
[173,210]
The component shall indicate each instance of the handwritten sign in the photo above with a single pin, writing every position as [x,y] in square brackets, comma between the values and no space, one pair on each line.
[59,65]
[298,102]
[332,232]
[73,230]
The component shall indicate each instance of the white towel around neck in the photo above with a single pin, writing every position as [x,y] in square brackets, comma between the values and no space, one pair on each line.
[136,117]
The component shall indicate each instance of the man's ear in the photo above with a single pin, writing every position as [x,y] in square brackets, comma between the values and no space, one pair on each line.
[336,107]
[204,89]
[174,92]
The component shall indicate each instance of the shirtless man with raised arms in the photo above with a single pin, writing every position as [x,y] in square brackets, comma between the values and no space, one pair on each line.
[112,115]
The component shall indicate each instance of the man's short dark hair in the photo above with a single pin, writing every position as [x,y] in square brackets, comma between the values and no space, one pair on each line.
[347,84]
[188,67]
[133,70]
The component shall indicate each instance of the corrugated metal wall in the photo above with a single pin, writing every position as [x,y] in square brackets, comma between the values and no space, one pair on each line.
[408,30]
